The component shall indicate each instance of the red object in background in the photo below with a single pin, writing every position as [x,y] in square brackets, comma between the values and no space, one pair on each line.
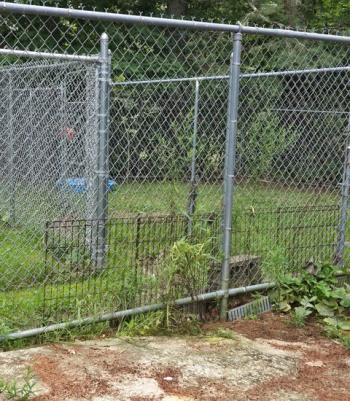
[69,134]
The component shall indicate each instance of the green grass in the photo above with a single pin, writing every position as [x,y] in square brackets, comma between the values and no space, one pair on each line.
[15,391]
[173,197]
[34,294]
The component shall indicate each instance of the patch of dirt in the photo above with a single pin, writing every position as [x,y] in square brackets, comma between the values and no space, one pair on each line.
[265,360]
[168,379]
[322,371]
[271,326]
[62,385]
[315,377]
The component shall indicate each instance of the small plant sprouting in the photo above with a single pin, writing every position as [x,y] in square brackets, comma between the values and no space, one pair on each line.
[299,315]
[12,390]
[225,333]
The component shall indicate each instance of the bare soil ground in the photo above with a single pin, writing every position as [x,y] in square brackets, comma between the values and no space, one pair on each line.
[261,360]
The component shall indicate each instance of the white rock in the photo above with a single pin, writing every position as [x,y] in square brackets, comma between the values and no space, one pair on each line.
[315,364]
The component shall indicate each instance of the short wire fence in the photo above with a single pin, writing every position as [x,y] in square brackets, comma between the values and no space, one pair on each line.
[140,155]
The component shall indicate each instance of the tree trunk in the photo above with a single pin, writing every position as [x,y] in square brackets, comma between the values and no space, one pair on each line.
[177,7]
[291,11]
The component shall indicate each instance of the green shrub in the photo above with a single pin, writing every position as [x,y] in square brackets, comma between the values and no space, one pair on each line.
[315,292]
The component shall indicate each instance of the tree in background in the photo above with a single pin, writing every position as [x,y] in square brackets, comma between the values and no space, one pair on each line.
[311,13]
[145,52]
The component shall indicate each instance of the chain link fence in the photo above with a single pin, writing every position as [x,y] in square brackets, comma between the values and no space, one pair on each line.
[89,227]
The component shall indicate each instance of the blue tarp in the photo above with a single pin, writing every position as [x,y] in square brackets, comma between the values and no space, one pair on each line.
[78,184]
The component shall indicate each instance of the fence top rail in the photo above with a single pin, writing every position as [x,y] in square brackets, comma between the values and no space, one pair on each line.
[165,22]
[226,77]
[45,55]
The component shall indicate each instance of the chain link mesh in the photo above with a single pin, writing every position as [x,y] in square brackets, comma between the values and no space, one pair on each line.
[166,154]
[291,150]
[44,129]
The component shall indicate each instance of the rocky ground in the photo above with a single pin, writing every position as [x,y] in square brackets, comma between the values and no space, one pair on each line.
[265,360]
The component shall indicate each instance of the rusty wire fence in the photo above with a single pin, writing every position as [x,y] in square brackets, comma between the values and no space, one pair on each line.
[215,158]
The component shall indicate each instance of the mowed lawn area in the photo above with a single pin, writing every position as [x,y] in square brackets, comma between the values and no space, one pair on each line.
[42,284]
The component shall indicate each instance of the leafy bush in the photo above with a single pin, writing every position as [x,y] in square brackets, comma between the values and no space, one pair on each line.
[186,270]
[266,141]
[183,272]
[315,292]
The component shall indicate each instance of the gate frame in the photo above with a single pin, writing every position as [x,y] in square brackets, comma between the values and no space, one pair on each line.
[230,161]
[344,205]
[100,179]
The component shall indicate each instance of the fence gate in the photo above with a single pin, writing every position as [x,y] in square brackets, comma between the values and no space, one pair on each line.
[52,124]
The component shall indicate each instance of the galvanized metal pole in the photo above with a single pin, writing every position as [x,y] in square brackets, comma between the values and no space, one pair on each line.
[131,312]
[91,139]
[65,199]
[102,171]
[345,191]
[193,188]
[63,142]
[230,156]
[11,139]
[249,75]
[31,137]
[28,9]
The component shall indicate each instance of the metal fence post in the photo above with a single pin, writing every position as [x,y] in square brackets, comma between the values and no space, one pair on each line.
[31,137]
[230,156]
[345,191]
[64,125]
[102,172]
[193,188]
[11,138]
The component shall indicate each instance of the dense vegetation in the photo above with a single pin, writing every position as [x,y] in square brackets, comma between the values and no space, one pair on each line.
[313,13]
[152,125]
[317,292]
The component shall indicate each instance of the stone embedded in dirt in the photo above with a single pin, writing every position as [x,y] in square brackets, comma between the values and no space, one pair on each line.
[187,368]
[145,387]
[315,364]
[289,396]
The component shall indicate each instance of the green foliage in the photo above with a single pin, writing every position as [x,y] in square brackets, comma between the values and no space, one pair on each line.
[12,390]
[267,139]
[306,12]
[315,292]
[224,333]
[147,324]
[299,315]
[173,152]
[186,269]
[162,322]
[334,331]
[331,13]
[275,264]
[183,272]
[5,219]
[70,254]
[345,339]
[120,288]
